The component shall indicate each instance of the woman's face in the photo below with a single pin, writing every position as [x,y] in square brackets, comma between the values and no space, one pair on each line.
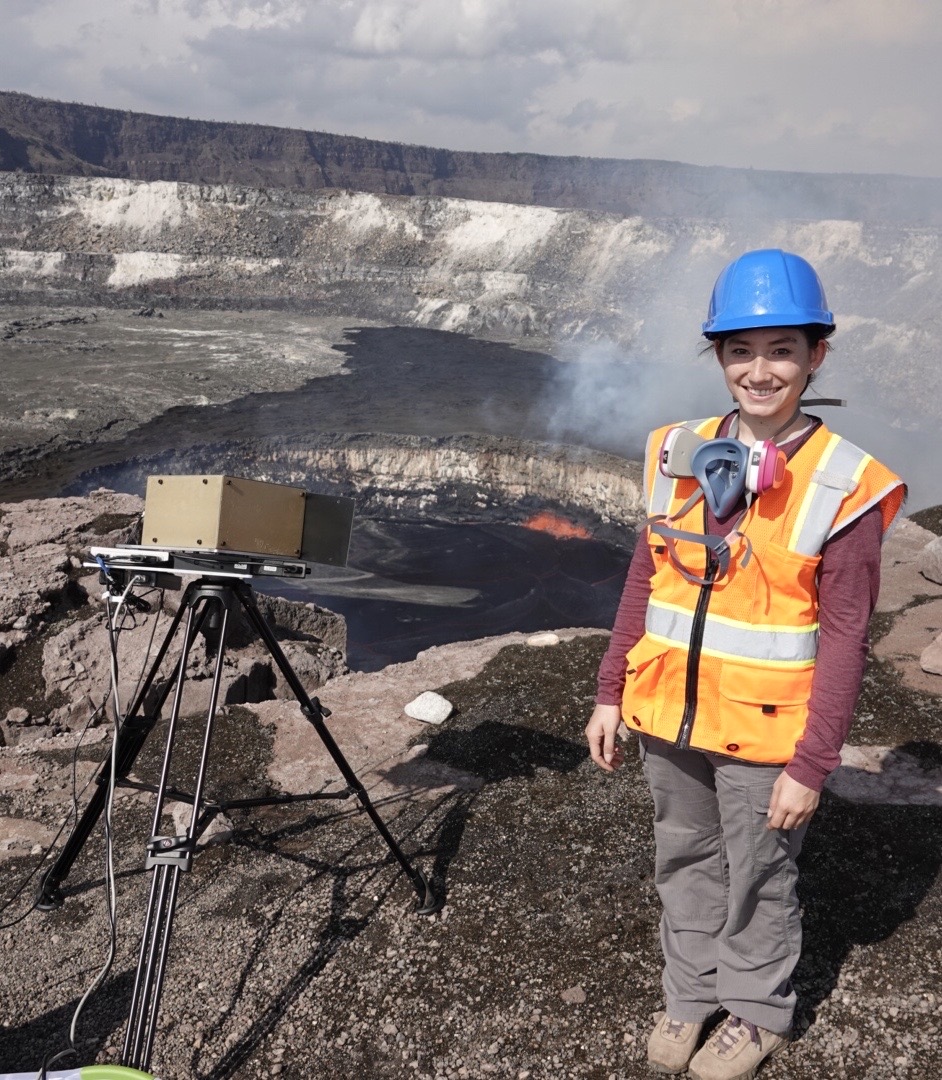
[767,371]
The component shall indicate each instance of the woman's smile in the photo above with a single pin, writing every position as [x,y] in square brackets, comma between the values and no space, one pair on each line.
[766,371]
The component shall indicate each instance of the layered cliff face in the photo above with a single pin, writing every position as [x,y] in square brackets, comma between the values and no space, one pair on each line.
[460,478]
[446,263]
[480,268]
[54,137]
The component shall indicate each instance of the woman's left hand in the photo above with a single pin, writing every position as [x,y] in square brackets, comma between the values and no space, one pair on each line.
[792,804]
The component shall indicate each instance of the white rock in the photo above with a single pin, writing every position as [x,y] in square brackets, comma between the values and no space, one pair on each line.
[931,659]
[930,562]
[430,708]
[539,640]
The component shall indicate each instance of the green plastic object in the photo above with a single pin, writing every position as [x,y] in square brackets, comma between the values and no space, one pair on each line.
[112,1072]
[90,1072]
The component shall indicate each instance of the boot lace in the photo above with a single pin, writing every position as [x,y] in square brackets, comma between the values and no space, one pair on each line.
[674,1029]
[731,1034]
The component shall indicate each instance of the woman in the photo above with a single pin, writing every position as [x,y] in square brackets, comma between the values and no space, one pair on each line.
[744,622]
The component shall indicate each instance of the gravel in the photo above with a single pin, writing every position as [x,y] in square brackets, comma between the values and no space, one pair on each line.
[297,951]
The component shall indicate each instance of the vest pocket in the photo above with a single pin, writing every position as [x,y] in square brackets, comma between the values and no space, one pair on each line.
[645,685]
[762,711]
[786,587]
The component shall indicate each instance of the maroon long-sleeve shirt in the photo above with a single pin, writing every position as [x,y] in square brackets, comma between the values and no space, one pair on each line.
[848,584]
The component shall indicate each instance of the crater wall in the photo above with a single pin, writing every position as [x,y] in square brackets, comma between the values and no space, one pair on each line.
[54,137]
[409,477]
[475,267]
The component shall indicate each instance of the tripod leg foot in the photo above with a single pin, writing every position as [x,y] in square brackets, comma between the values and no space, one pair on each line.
[429,902]
[50,897]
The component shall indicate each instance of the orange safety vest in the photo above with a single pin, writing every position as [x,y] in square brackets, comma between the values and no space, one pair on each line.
[727,666]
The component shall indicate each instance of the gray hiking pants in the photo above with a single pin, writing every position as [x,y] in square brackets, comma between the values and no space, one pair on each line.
[730,928]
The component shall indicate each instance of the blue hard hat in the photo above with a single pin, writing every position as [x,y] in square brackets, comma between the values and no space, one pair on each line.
[768,287]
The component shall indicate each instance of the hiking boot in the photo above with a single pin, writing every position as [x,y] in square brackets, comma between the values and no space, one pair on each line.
[671,1044]
[735,1051]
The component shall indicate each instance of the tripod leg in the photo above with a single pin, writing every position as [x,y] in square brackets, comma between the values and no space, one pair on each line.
[315,713]
[139,1038]
[131,737]
[169,856]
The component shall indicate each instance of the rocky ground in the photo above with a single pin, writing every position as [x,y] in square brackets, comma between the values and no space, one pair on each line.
[297,950]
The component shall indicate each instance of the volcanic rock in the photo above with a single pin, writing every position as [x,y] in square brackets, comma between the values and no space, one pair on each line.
[930,659]
[887,775]
[56,137]
[315,960]
[429,707]
[55,622]
[486,268]
[930,563]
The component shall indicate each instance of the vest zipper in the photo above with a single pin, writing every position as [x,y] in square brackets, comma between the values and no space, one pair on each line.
[696,637]
[693,654]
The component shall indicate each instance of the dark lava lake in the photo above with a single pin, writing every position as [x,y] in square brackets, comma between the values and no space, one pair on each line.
[411,585]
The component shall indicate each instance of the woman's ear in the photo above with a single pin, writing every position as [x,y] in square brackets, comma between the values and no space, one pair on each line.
[818,353]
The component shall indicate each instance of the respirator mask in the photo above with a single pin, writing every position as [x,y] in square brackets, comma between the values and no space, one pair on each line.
[725,469]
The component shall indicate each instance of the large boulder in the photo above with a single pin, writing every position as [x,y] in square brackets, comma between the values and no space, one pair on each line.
[54,624]
[930,561]
[930,659]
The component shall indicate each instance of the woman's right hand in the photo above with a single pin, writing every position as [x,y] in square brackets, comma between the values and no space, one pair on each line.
[600,733]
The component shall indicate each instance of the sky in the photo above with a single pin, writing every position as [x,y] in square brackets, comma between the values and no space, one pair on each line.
[807,85]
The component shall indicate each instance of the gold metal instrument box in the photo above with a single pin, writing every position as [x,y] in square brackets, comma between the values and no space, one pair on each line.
[223,513]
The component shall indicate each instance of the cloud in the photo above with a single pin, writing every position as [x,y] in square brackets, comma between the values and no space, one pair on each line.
[826,85]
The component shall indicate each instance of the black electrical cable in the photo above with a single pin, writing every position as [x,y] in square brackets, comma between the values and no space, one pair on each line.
[114,629]
[158,607]
[73,814]
[110,888]
[48,1061]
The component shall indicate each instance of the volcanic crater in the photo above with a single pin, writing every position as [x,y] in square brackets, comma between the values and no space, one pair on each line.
[444,471]
[449,443]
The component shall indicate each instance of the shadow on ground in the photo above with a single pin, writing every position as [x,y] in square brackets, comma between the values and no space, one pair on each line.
[297,944]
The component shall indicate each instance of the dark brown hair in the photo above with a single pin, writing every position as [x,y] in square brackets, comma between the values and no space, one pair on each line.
[814,332]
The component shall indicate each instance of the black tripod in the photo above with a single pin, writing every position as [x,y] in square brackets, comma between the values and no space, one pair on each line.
[207,602]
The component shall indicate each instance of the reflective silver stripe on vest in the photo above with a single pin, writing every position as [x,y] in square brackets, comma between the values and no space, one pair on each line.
[724,637]
[837,475]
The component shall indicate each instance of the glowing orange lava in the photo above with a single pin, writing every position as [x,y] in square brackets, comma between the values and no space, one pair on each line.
[557,526]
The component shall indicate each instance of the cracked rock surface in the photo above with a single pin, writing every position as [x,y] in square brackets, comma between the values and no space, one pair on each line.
[296,947]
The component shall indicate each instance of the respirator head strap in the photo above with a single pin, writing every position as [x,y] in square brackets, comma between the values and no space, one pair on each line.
[720,546]
[717,545]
